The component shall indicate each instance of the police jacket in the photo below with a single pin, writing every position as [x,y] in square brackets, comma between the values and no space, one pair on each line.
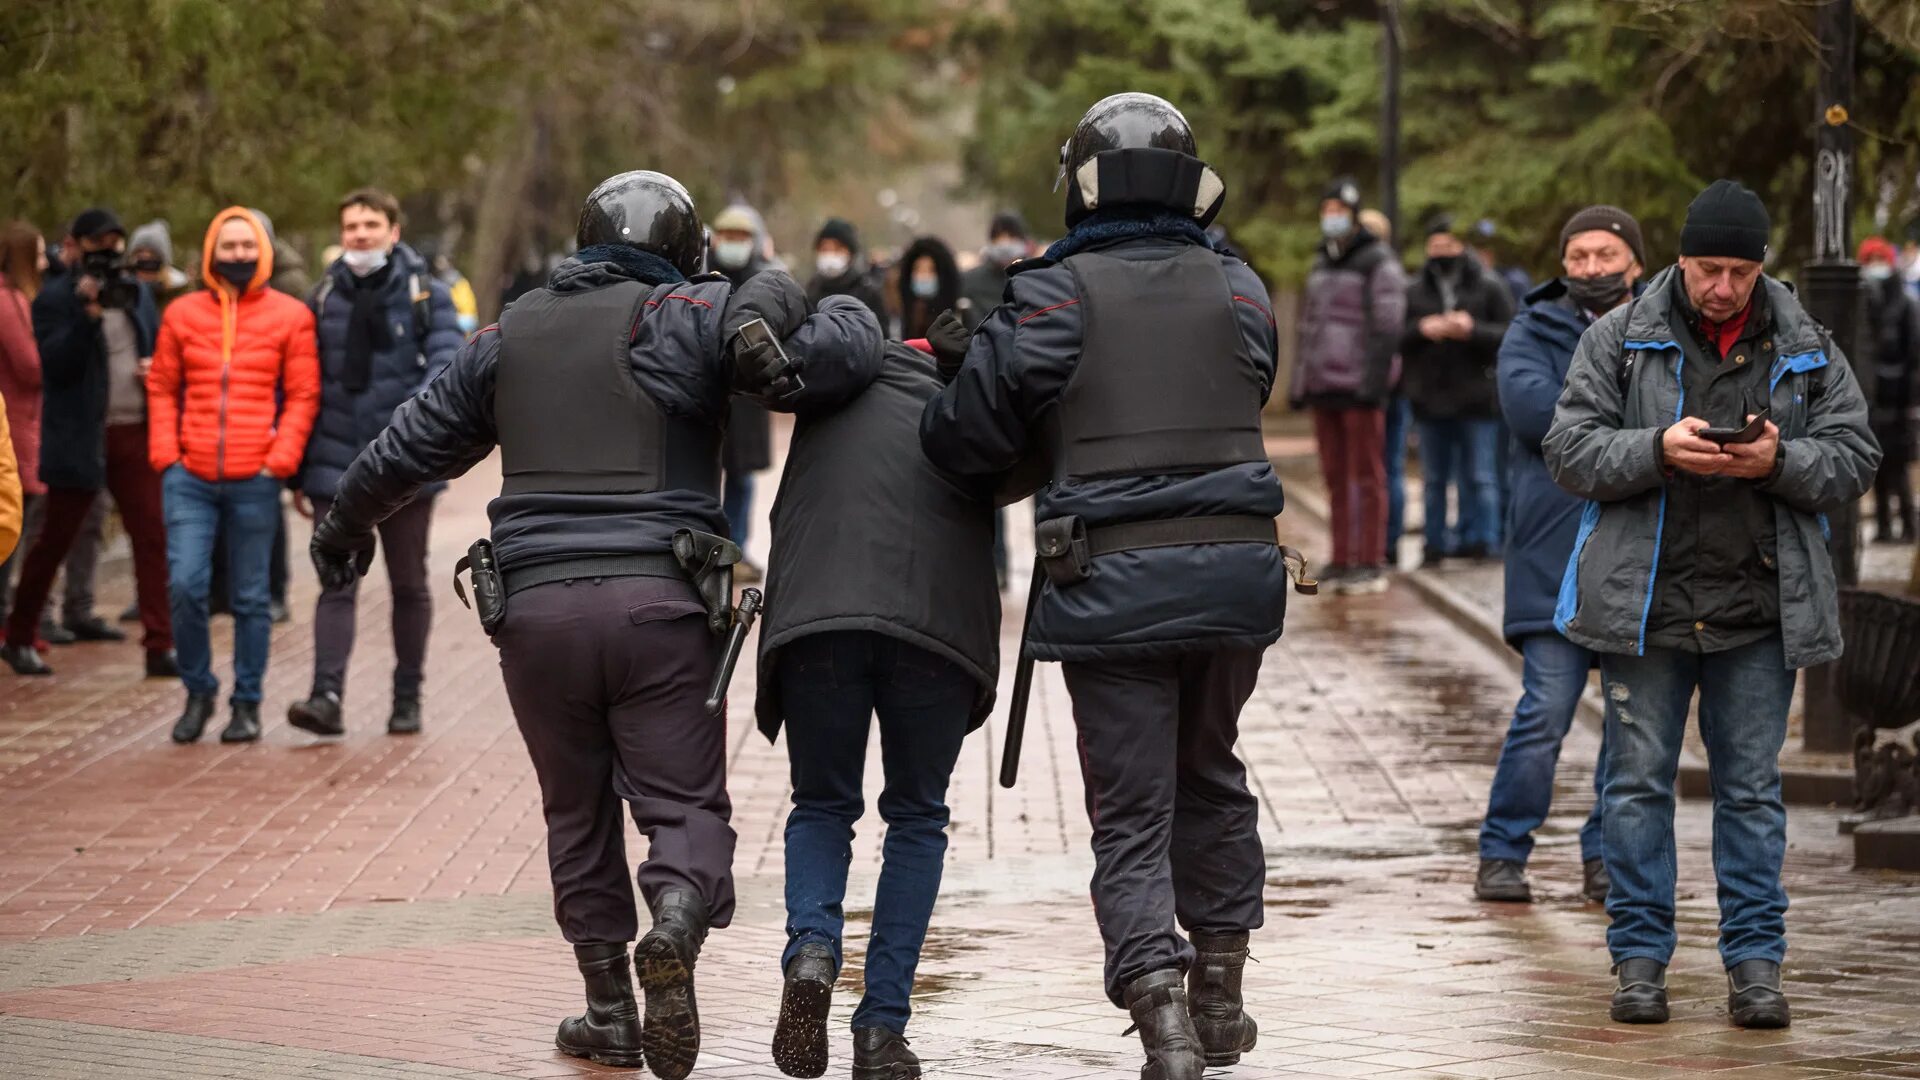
[869,535]
[423,334]
[1135,603]
[675,353]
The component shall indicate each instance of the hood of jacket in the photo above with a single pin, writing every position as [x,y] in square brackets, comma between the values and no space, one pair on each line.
[261,274]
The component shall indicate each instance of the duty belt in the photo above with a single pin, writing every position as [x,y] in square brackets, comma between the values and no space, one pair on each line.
[593,566]
[1065,547]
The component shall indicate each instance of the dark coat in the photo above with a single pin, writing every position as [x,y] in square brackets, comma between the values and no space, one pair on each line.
[917,314]
[348,420]
[1351,317]
[748,446]
[1894,318]
[869,535]
[676,352]
[1137,604]
[981,290]
[1448,380]
[858,283]
[73,370]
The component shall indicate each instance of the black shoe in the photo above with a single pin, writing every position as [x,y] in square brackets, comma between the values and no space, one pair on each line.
[1213,997]
[609,1031]
[406,716]
[800,1036]
[193,719]
[1158,1002]
[1641,997]
[318,715]
[277,612]
[1595,882]
[879,1054]
[162,665]
[1431,559]
[24,660]
[1476,552]
[244,726]
[1503,880]
[131,614]
[664,961]
[56,635]
[95,628]
[1754,999]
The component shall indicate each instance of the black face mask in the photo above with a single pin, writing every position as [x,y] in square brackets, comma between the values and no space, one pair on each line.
[149,265]
[1598,294]
[239,274]
[1448,264]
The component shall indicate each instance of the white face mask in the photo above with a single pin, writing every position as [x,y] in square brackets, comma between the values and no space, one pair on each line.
[732,254]
[832,263]
[1006,251]
[365,262]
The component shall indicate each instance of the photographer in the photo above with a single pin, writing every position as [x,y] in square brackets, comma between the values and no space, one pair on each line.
[95,323]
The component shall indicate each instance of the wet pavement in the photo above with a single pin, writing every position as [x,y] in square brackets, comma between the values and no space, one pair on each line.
[377,907]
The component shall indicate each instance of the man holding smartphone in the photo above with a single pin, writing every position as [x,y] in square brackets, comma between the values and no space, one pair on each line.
[1712,425]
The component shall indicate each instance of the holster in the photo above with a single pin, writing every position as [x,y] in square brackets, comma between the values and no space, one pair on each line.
[1061,544]
[489,591]
[708,561]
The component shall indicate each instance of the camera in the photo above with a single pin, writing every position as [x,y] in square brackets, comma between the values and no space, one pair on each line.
[119,288]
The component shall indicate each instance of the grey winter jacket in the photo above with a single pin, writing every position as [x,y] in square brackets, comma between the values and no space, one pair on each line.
[1623,390]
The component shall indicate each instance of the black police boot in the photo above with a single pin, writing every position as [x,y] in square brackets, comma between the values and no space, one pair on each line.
[800,1035]
[1595,882]
[95,628]
[162,665]
[319,714]
[244,726]
[24,660]
[1641,997]
[879,1054]
[664,961]
[1503,880]
[609,1031]
[1158,1002]
[1213,997]
[1754,999]
[193,719]
[405,719]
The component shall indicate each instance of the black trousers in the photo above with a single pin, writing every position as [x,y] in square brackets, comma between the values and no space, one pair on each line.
[608,682]
[1175,831]
[403,540]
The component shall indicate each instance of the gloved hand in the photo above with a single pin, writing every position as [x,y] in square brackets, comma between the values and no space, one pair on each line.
[949,338]
[338,559]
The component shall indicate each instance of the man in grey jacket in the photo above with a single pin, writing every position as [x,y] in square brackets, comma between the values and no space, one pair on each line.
[1713,426]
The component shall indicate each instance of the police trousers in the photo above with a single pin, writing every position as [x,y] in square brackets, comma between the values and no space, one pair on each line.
[608,682]
[1175,831]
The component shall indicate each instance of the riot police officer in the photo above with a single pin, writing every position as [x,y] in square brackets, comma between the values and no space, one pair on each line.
[607,393]
[1126,369]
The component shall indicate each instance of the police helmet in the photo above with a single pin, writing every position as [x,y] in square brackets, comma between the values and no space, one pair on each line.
[646,210]
[1137,150]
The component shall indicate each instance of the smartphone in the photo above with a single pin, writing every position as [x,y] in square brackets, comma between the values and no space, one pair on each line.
[1725,435]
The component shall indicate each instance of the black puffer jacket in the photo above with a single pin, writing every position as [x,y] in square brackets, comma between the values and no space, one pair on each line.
[1448,380]
[1143,603]
[677,359]
[869,535]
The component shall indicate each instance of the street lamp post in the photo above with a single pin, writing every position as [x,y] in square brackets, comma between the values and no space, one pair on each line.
[1390,115]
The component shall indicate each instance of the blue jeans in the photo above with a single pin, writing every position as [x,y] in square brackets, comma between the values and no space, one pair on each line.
[1551,682]
[1463,454]
[248,512]
[1744,694]
[831,684]
[1399,421]
[736,501]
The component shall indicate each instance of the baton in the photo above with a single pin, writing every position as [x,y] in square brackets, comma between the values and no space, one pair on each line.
[1022,689]
[730,656]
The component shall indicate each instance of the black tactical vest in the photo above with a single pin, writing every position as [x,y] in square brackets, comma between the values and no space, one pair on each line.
[1164,383]
[572,419]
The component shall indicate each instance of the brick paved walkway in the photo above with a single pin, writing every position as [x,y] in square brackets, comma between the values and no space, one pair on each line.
[377,907]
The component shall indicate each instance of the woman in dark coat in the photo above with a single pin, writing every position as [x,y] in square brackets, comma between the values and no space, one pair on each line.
[929,285]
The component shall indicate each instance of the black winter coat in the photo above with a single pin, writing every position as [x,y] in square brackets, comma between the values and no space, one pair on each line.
[1138,604]
[676,353]
[1894,318]
[916,314]
[869,535]
[748,446]
[1447,380]
[858,283]
[348,420]
[982,288]
[73,368]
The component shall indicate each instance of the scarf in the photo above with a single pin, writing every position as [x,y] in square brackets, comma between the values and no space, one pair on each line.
[643,266]
[367,330]
[1126,223]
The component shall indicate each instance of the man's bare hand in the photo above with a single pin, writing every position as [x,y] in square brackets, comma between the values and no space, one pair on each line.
[87,288]
[1435,328]
[1754,460]
[1683,448]
[1461,325]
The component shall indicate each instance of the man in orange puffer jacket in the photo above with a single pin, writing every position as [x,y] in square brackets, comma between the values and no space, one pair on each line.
[230,400]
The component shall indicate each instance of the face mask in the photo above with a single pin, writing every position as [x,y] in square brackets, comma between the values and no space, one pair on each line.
[149,265]
[926,288]
[1876,272]
[732,254]
[832,263]
[1602,293]
[365,262]
[1446,264]
[238,274]
[1335,226]
[1006,251]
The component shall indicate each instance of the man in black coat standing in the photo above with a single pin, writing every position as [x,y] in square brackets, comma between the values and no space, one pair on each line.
[880,599]
[1127,368]
[840,268]
[605,580]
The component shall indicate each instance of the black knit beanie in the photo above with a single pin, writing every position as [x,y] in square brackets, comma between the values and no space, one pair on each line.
[1609,219]
[841,230]
[1344,189]
[1726,221]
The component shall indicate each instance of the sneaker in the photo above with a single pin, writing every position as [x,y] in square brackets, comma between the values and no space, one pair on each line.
[1362,581]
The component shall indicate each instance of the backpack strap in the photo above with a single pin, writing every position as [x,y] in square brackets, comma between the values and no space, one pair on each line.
[422,294]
